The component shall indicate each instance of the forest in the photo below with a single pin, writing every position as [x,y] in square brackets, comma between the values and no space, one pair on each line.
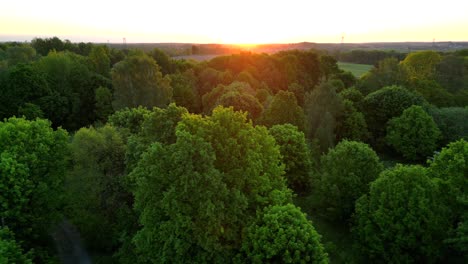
[245,158]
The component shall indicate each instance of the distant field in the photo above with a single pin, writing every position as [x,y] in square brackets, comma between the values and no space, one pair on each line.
[357,69]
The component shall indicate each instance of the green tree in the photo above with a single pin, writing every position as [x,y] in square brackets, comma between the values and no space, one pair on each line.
[72,84]
[10,251]
[452,123]
[283,234]
[157,126]
[23,84]
[33,159]
[325,133]
[103,105]
[389,102]
[352,125]
[20,54]
[129,120]
[346,172]
[354,95]
[321,100]
[414,134]
[138,81]
[163,60]
[185,91]
[295,155]
[421,65]
[197,195]
[100,61]
[402,219]
[450,167]
[284,109]
[387,72]
[98,199]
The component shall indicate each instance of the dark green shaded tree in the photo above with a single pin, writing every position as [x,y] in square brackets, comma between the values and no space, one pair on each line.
[387,72]
[450,168]
[295,155]
[103,103]
[352,124]
[138,81]
[414,134]
[100,61]
[321,100]
[389,102]
[10,250]
[284,109]
[402,219]
[346,172]
[283,234]
[163,60]
[452,122]
[99,203]
[20,54]
[354,95]
[185,93]
[23,83]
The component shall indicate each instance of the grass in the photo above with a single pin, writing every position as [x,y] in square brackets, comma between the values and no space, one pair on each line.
[356,69]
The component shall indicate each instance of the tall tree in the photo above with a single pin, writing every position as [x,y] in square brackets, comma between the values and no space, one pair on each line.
[283,234]
[321,100]
[138,81]
[414,134]
[197,195]
[284,109]
[295,155]
[402,219]
[33,159]
[346,172]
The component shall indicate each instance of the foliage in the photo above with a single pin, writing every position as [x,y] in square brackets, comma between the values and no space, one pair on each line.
[402,218]
[295,155]
[387,72]
[346,172]
[421,65]
[283,234]
[98,199]
[72,99]
[138,81]
[100,61]
[184,91]
[129,119]
[33,160]
[452,123]
[414,134]
[158,126]
[352,125]
[321,100]
[450,166]
[23,84]
[10,251]
[389,102]
[103,103]
[198,194]
[284,109]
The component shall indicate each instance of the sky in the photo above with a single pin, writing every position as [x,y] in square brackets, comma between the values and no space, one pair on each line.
[235,21]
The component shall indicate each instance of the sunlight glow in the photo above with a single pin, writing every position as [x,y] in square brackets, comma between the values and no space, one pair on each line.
[241,21]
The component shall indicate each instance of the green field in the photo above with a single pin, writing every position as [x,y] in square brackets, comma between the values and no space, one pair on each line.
[357,69]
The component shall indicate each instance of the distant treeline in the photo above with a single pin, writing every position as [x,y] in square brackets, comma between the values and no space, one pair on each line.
[157,160]
[371,57]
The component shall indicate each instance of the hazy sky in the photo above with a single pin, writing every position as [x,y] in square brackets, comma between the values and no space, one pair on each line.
[235,21]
